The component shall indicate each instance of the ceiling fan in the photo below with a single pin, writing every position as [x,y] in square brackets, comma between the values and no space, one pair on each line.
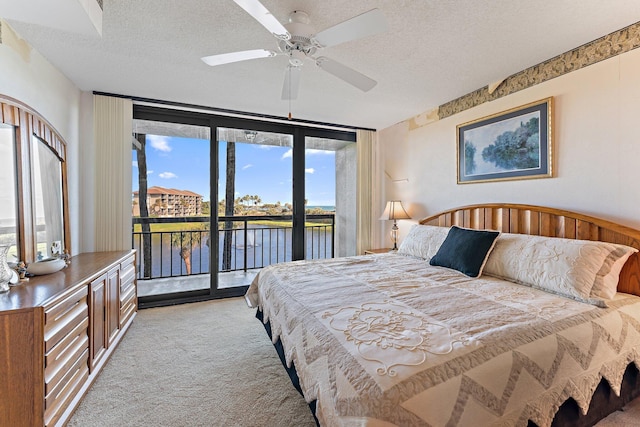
[299,41]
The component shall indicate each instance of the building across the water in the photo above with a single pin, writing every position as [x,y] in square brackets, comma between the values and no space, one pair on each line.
[169,202]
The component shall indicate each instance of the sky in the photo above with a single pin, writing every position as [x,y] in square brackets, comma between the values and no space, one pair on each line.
[262,170]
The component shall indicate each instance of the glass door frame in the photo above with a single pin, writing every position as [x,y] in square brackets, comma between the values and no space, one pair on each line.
[213,121]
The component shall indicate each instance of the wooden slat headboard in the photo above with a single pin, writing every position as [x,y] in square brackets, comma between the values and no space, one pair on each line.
[550,222]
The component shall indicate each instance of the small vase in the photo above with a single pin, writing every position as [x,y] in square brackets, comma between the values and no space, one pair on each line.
[5,271]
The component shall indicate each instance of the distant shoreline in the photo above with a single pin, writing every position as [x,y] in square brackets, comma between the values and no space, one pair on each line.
[327,208]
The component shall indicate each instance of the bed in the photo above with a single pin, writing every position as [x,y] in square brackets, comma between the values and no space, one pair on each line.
[547,334]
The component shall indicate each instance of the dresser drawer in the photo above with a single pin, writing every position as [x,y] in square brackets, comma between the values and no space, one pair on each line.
[58,309]
[127,279]
[127,296]
[127,307]
[128,263]
[75,312]
[63,355]
[60,396]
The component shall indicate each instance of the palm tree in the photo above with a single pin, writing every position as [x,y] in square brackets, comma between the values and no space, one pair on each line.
[157,205]
[229,205]
[185,241]
[141,157]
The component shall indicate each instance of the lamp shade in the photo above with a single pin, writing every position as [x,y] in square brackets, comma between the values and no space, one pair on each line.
[394,210]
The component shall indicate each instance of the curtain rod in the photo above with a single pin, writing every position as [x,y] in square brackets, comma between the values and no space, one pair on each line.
[237,113]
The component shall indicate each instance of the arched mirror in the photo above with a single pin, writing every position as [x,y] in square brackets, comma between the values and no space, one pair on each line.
[33,200]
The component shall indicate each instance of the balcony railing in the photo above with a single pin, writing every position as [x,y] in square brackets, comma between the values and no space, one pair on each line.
[244,243]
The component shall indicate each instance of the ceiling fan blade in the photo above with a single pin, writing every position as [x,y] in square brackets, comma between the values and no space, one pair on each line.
[291,83]
[367,24]
[244,55]
[264,17]
[345,73]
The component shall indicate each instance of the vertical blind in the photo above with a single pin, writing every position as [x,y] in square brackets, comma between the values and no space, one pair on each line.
[367,202]
[112,136]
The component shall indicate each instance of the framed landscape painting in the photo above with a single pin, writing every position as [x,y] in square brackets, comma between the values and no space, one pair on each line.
[514,144]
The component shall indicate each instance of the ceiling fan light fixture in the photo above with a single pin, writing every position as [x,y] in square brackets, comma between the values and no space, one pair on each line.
[300,17]
[296,58]
[250,135]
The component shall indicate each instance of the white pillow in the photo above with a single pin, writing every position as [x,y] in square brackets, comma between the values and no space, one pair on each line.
[423,241]
[583,270]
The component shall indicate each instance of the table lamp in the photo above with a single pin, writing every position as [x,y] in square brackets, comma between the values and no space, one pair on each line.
[395,211]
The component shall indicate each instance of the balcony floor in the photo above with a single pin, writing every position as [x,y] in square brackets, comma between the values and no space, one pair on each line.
[168,285]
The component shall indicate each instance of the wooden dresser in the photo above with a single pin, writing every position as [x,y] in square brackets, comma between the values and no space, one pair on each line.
[57,332]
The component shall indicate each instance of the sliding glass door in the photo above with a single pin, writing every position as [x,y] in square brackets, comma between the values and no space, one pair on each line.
[170,207]
[254,203]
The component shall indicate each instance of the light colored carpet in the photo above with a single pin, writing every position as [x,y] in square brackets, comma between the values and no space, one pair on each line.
[207,364]
[202,364]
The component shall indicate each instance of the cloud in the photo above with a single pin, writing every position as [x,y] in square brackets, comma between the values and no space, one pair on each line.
[149,172]
[159,143]
[168,175]
[309,170]
[247,166]
[289,153]
[134,164]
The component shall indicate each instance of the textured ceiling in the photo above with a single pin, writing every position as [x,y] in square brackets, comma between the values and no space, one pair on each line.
[433,52]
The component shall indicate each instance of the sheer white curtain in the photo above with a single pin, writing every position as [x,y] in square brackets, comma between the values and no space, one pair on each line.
[113,118]
[367,191]
[51,180]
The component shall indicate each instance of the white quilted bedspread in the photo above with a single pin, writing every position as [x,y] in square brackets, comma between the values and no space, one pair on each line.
[388,340]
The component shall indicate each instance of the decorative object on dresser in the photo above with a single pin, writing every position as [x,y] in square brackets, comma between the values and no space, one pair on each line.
[7,275]
[395,211]
[46,266]
[57,331]
[514,144]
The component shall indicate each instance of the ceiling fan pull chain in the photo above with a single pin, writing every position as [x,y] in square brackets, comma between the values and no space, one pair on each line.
[289,92]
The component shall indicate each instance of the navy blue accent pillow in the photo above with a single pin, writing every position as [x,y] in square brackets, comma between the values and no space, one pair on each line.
[465,250]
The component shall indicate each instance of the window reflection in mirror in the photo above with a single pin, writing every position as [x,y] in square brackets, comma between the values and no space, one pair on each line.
[8,212]
[47,187]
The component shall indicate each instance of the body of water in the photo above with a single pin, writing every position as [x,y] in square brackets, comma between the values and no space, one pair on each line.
[323,207]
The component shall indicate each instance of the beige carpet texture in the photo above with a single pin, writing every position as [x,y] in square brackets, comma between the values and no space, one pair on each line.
[207,364]
[201,364]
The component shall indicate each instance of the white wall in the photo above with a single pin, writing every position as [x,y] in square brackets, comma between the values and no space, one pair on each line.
[596,158]
[27,77]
